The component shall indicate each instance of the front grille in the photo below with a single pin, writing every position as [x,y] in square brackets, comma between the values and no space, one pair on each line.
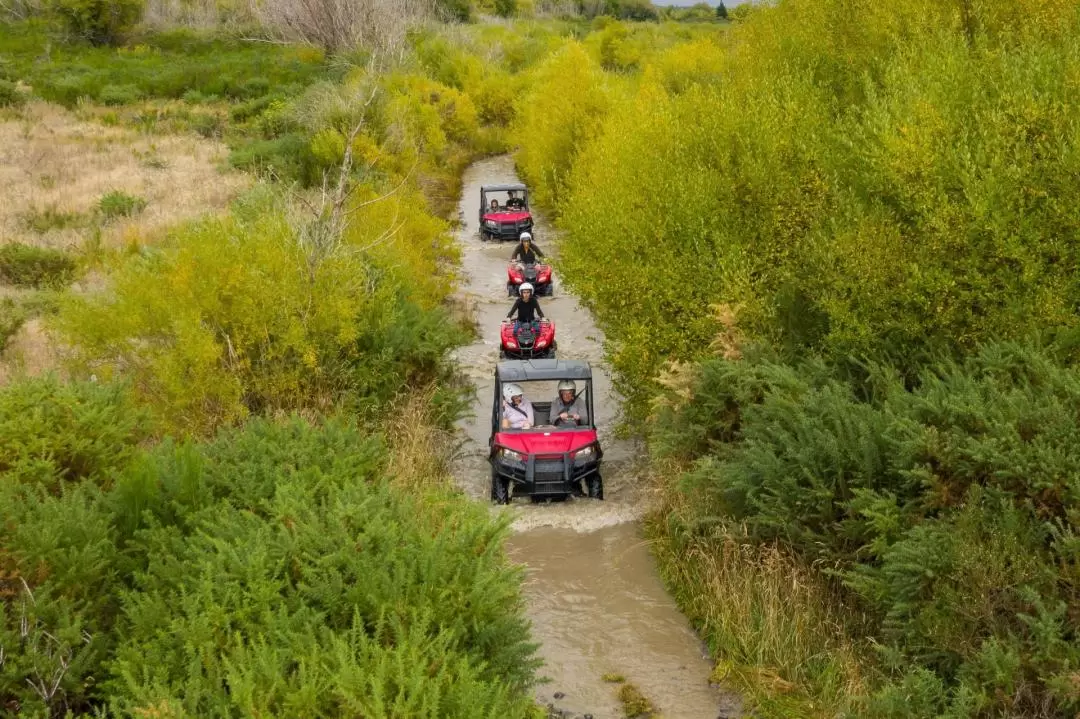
[549,466]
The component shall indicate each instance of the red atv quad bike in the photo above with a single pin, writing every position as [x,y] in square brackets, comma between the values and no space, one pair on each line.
[544,461]
[527,341]
[538,274]
[510,217]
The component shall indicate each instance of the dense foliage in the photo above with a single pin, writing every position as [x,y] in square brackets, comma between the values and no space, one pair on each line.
[274,562]
[848,223]
[171,544]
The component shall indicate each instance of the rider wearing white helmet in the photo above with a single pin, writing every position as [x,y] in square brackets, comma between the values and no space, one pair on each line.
[526,306]
[568,408]
[517,411]
[526,251]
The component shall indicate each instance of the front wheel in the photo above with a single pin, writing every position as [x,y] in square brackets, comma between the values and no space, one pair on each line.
[500,488]
[596,487]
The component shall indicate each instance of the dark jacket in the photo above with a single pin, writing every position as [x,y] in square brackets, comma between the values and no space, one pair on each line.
[529,257]
[527,311]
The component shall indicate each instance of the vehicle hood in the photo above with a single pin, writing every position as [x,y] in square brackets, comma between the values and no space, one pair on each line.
[507,216]
[551,441]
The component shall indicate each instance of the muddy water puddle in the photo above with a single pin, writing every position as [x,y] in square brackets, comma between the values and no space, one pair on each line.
[594,598]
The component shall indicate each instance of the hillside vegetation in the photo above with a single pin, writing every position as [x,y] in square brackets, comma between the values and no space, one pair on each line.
[232,496]
[834,249]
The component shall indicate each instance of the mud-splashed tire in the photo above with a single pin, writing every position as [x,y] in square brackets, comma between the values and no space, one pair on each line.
[500,489]
[596,487]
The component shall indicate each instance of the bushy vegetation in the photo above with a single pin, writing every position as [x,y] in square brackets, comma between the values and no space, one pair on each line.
[30,266]
[849,226]
[175,541]
[271,570]
[99,22]
[161,65]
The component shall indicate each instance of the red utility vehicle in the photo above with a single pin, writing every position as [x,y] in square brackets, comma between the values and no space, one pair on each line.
[545,461]
[510,217]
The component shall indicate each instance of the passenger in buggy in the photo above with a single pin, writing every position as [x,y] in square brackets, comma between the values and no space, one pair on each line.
[517,411]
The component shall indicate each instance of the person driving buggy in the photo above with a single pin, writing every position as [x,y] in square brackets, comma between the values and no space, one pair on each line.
[526,306]
[517,411]
[568,408]
[526,251]
[514,202]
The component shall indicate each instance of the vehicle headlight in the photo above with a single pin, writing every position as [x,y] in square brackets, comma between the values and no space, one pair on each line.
[490,223]
[584,453]
[511,343]
[509,454]
[541,344]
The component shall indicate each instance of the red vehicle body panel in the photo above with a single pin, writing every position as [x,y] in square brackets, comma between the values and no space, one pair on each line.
[508,216]
[543,340]
[539,442]
[516,276]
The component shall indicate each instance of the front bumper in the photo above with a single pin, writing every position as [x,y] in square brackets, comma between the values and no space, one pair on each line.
[547,475]
[506,231]
[528,353]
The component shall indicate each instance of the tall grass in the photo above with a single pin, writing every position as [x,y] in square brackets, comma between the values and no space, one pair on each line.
[783,636]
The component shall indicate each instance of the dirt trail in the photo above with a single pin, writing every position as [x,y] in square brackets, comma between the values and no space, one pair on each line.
[594,597]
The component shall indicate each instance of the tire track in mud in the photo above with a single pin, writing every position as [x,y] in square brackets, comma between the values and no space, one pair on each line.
[594,597]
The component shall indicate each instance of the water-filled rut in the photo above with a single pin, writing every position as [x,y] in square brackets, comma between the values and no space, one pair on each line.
[594,598]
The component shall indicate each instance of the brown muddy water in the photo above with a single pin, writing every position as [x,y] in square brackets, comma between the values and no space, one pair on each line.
[595,600]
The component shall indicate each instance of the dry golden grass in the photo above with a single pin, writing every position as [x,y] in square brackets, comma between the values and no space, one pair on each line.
[52,161]
[420,452]
[30,352]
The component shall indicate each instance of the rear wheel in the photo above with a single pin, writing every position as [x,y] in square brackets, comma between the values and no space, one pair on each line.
[596,486]
[500,488]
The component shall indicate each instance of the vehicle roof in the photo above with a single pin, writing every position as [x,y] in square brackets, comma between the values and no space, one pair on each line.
[502,188]
[543,369]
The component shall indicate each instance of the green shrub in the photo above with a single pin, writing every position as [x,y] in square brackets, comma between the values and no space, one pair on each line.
[51,218]
[119,94]
[99,22]
[53,432]
[12,316]
[10,95]
[176,64]
[117,203]
[30,266]
[946,510]
[307,581]
[288,156]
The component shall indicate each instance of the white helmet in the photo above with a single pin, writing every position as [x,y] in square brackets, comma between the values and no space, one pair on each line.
[525,287]
[510,391]
[567,384]
[525,237]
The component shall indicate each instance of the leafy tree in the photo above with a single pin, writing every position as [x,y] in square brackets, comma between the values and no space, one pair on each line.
[100,22]
[721,11]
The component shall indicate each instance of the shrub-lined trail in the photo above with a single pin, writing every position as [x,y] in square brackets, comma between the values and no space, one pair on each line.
[594,597]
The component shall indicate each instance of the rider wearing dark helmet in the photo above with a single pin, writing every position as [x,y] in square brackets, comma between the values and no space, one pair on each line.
[514,202]
[526,252]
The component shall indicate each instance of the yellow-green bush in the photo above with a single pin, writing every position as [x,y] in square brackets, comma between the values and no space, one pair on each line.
[564,108]
[236,316]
